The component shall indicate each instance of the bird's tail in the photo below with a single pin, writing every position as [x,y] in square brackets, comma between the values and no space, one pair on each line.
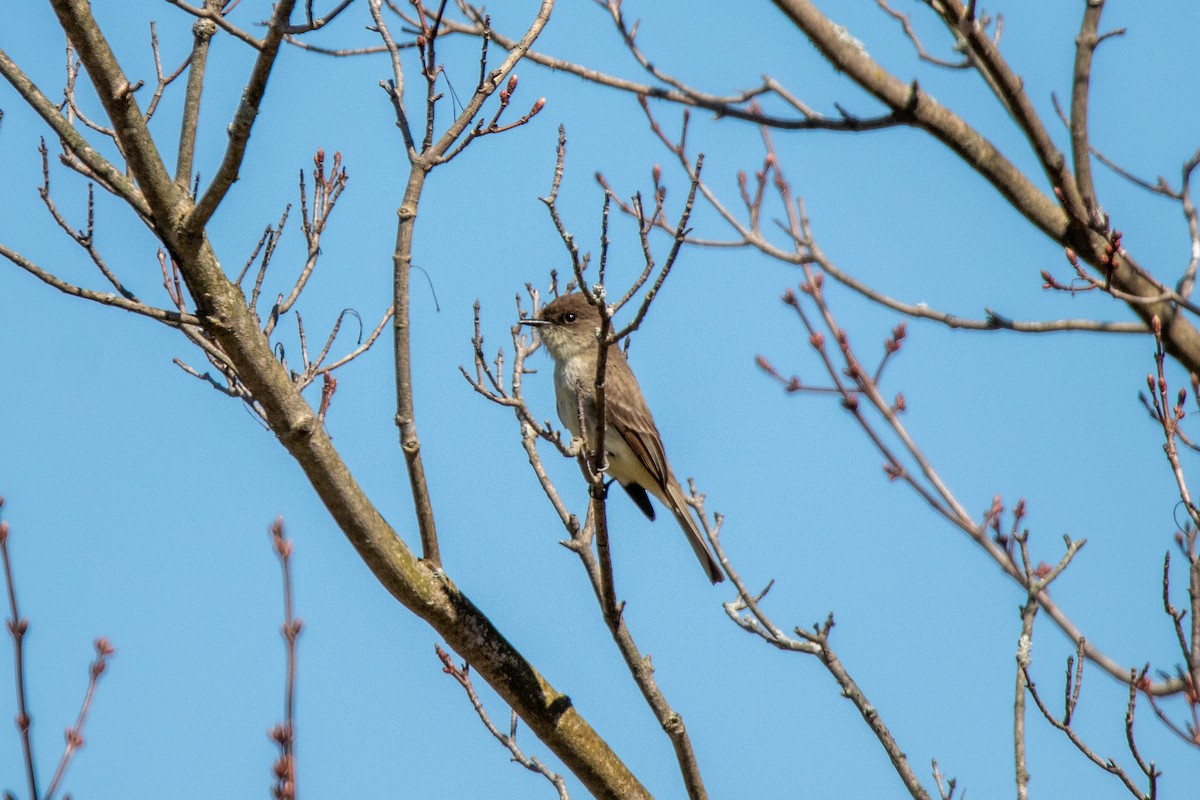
[695,537]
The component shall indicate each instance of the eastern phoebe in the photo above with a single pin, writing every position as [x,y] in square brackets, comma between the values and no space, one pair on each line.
[568,327]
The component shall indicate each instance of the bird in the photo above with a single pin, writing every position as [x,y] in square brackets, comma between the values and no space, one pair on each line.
[568,328]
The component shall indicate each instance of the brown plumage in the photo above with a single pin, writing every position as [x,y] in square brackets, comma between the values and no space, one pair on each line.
[636,459]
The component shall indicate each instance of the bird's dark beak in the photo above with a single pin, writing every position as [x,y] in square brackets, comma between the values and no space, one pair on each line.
[537,323]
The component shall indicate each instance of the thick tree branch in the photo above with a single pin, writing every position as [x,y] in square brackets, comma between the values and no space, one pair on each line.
[1079,226]
[225,316]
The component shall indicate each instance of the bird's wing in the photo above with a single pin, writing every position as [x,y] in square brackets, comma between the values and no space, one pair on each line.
[632,420]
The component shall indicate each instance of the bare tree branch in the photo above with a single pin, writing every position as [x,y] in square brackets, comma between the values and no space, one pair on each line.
[173,318]
[725,106]
[284,734]
[17,627]
[213,13]
[462,674]
[814,642]
[243,119]
[112,178]
[235,334]
[202,33]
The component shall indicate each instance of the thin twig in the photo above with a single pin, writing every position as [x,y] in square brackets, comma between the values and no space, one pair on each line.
[172,318]
[462,675]
[18,626]
[74,734]
[814,642]
[164,80]
[284,734]
[733,106]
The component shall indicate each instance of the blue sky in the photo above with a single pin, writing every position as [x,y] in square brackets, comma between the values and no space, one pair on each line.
[139,498]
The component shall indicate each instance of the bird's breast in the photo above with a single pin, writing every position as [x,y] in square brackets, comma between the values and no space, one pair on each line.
[567,377]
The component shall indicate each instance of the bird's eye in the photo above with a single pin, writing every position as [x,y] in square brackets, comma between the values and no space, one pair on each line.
[569,316]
